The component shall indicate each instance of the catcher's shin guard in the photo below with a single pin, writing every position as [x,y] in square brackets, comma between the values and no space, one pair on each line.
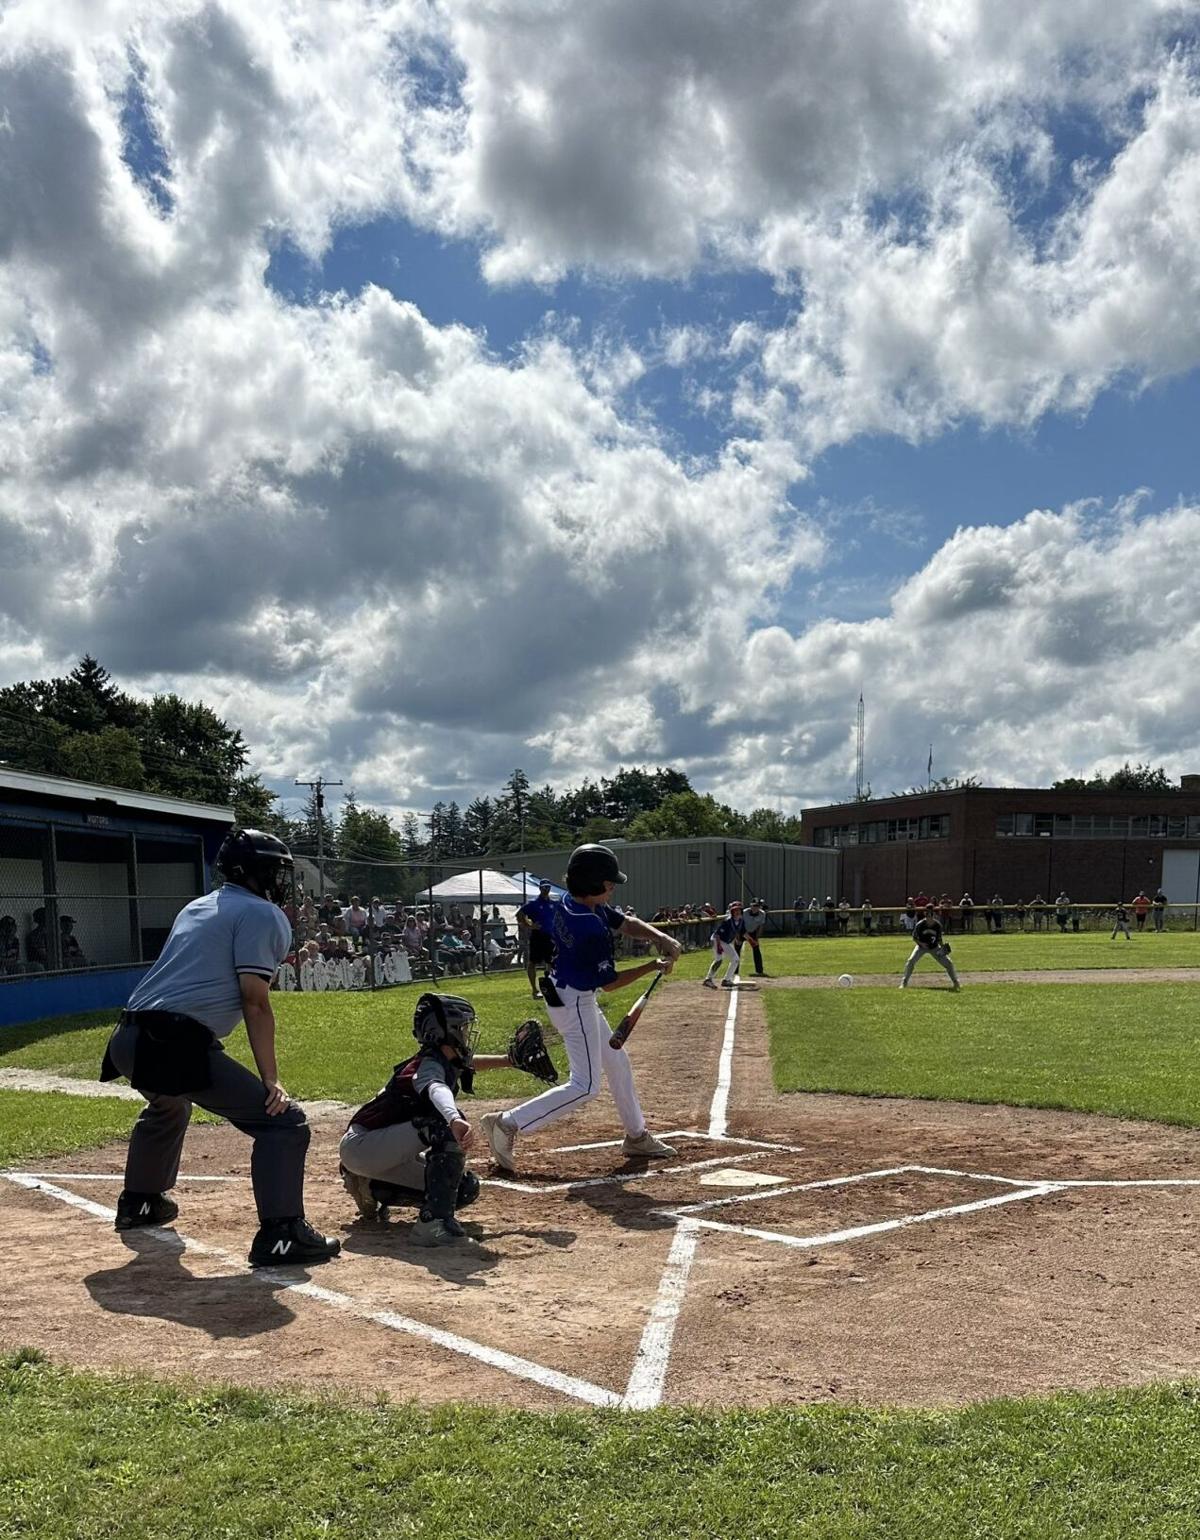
[444,1168]
[468,1190]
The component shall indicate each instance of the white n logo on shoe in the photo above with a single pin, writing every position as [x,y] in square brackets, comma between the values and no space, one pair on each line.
[281,1248]
[145,1209]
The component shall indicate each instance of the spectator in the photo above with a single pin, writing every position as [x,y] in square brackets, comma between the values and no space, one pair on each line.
[996,913]
[37,942]
[1020,910]
[1062,911]
[1141,908]
[328,909]
[356,917]
[843,917]
[1039,907]
[909,918]
[68,944]
[866,915]
[1160,909]
[10,946]
[798,914]
[830,915]
[945,910]
[411,937]
[379,915]
[308,910]
[921,900]
[966,907]
[708,911]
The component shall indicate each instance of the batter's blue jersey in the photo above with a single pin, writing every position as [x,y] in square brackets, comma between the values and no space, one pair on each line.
[583,944]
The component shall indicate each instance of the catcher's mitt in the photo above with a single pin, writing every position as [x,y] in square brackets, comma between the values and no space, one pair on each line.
[527,1051]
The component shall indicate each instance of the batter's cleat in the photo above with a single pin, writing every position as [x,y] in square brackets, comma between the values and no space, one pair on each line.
[708,983]
[645,1147]
[438,1232]
[292,1243]
[501,1141]
[138,1210]
[725,984]
[359,1188]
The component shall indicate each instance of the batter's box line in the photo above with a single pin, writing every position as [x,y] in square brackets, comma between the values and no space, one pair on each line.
[280,1278]
[621,1178]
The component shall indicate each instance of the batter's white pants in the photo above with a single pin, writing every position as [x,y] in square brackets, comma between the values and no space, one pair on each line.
[927,951]
[580,1023]
[723,951]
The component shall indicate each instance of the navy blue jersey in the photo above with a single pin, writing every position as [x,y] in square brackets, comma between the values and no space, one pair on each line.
[540,910]
[727,931]
[583,944]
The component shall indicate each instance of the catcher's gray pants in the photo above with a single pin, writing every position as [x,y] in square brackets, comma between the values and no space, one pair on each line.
[392,1154]
[938,956]
[156,1143]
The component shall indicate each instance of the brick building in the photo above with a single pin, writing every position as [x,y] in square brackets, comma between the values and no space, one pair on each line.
[1096,845]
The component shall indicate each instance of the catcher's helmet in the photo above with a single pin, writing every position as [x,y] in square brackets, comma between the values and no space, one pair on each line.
[449,1019]
[589,868]
[265,860]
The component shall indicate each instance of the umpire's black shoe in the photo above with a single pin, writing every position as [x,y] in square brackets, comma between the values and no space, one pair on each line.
[136,1210]
[292,1243]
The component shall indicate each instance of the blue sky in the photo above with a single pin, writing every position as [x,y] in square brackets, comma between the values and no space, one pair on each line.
[795,339]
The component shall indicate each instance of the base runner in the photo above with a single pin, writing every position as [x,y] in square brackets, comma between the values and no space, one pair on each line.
[584,925]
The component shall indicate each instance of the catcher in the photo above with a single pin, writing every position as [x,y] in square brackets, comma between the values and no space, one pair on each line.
[928,941]
[409,1144]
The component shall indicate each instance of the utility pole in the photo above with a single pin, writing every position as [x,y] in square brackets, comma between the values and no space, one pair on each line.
[862,724]
[318,788]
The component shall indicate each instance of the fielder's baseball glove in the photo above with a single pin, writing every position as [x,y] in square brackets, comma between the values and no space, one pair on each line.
[527,1051]
[944,949]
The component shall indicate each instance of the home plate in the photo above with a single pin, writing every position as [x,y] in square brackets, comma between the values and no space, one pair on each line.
[735,1176]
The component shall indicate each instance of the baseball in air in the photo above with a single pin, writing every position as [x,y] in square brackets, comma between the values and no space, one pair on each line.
[845,980]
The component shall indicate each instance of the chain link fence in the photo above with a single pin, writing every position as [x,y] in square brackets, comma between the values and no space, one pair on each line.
[74,898]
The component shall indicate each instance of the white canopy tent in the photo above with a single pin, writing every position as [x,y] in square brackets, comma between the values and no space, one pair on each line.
[475,888]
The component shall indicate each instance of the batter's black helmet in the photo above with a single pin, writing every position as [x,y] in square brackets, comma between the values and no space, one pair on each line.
[440,1019]
[265,860]
[589,868]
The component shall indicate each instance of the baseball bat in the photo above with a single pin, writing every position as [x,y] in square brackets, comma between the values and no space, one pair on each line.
[631,1018]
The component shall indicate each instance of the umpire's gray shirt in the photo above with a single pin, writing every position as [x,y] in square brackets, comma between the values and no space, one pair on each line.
[213,941]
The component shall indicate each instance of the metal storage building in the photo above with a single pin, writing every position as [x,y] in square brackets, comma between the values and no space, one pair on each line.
[696,871]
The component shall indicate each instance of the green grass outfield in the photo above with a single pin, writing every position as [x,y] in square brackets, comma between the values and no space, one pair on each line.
[84,1457]
[1128,1050]
[977,953]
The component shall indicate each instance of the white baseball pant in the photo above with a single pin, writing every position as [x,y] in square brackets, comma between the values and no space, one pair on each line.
[723,951]
[581,1024]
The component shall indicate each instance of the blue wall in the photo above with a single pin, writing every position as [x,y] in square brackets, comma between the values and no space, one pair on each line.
[63,994]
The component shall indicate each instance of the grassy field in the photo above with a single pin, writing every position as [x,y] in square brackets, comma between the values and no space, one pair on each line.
[977,953]
[329,1045]
[84,1457]
[1128,1050]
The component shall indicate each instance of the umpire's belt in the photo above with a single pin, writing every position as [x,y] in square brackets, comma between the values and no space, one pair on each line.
[170,1053]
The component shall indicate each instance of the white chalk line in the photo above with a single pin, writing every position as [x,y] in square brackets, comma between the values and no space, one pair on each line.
[783,1192]
[718,1112]
[859,1232]
[507,1363]
[653,1357]
[623,1179]
[110,1176]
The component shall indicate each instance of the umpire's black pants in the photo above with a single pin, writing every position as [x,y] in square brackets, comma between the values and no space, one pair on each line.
[155,1146]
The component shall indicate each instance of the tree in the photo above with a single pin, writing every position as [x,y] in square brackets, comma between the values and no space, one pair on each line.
[1139,777]
[365,839]
[410,838]
[683,815]
[477,827]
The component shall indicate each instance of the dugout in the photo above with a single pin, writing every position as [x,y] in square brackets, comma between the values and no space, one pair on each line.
[91,878]
[673,873]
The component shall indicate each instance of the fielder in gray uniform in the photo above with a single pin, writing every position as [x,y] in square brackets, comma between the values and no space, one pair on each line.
[929,942]
[216,969]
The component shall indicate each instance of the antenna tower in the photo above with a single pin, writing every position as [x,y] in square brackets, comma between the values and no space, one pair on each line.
[862,725]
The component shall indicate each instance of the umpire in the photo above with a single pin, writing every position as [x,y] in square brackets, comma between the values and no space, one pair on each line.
[216,969]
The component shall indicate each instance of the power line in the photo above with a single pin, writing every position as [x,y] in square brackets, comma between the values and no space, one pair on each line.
[318,788]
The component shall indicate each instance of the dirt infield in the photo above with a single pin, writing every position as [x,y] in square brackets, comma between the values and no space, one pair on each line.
[796,1249]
